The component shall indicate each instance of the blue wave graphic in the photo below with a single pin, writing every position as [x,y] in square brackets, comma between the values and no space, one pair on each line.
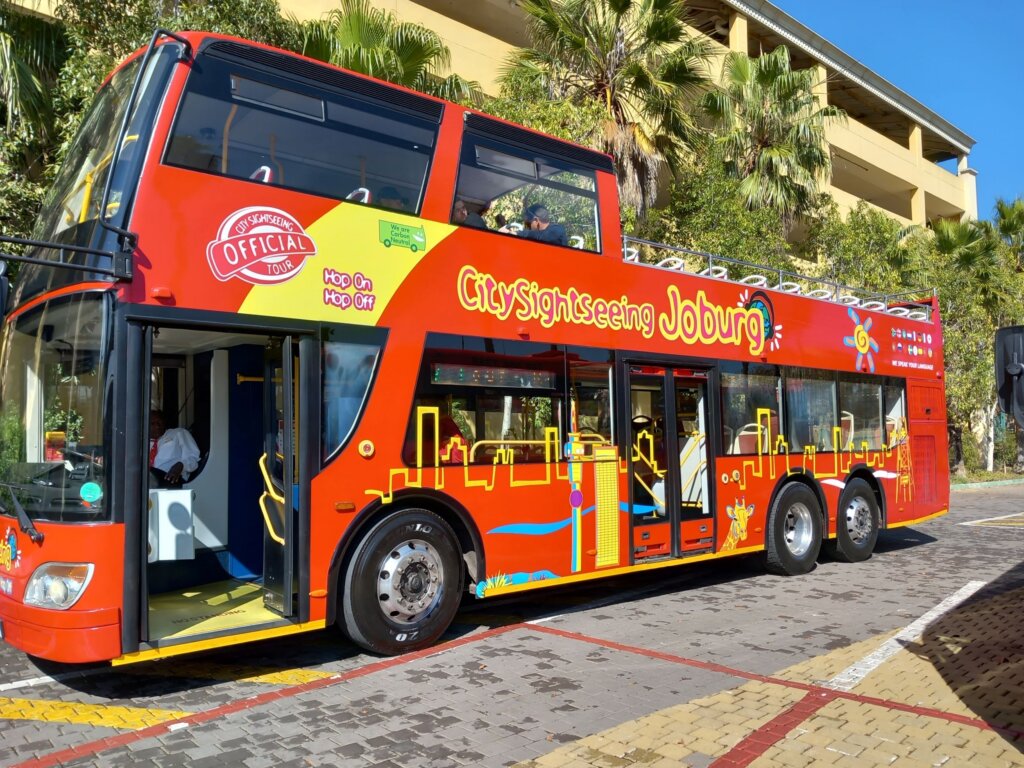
[537,529]
[639,509]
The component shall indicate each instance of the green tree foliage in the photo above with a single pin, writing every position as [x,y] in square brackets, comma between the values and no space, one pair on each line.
[637,60]
[978,289]
[31,54]
[524,100]
[706,212]
[50,70]
[861,250]
[103,32]
[1009,223]
[771,129]
[362,38]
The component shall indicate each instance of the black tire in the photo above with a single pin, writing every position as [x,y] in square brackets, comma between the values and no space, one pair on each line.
[794,531]
[403,583]
[857,523]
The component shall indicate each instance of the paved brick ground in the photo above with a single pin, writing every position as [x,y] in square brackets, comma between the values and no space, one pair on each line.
[711,665]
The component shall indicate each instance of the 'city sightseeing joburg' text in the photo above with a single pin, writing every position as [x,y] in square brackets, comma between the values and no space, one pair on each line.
[692,321]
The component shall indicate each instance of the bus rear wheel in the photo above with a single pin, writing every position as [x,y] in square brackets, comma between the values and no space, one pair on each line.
[403,583]
[857,526]
[794,531]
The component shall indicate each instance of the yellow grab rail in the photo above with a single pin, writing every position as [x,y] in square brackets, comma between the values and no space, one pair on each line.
[263,500]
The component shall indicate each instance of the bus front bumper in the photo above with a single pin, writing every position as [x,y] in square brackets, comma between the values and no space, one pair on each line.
[71,636]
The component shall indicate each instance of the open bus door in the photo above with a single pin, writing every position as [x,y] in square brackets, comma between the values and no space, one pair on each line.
[278,468]
[669,457]
[222,550]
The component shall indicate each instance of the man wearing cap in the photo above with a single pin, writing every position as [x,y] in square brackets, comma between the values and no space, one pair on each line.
[538,226]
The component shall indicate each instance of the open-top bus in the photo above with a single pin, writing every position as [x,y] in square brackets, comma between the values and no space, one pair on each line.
[394,407]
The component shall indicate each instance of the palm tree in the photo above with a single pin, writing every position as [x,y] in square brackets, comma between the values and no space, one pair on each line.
[972,248]
[31,53]
[1010,224]
[637,60]
[365,39]
[772,130]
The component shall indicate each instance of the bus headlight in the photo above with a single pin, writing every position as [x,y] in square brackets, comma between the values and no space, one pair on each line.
[58,585]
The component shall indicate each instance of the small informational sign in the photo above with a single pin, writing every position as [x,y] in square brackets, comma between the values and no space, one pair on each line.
[55,442]
[402,236]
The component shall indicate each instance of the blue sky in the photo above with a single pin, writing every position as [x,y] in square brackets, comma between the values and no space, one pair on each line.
[961,60]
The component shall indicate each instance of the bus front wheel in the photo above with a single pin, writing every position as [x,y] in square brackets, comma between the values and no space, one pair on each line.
[403,583]
[794,531]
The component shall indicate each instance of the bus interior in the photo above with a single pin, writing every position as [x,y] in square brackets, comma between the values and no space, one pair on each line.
[213,559]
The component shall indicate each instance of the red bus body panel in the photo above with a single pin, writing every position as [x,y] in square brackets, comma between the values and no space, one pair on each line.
[90,630]
[468,281]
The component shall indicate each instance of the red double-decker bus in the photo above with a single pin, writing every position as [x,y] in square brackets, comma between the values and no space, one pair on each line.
[403,353]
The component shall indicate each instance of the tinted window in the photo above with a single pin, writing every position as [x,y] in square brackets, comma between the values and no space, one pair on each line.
[895,393]
[504,188]
[860,403]
[590,376]
[347,370]
[486,400]
[255,126]
[811,409]
[751,407]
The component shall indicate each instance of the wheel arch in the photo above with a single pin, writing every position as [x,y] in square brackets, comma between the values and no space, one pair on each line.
[808,479]
[445,507]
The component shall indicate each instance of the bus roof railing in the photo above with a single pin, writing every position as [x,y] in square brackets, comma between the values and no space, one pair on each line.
[674,258]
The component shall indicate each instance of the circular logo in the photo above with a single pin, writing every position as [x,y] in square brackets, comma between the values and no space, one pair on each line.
[259,245]
[91,492]
[763,304]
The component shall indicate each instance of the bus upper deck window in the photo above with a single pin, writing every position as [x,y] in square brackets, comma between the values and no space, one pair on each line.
[507,173]
[303,131]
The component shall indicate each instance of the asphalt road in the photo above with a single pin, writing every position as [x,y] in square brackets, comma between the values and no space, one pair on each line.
[516,680]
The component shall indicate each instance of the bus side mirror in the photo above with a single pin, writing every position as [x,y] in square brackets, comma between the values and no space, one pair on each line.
[1010,371]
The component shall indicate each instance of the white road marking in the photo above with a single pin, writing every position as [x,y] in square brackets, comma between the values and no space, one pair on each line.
[990,519]
[850,677]
[31,682]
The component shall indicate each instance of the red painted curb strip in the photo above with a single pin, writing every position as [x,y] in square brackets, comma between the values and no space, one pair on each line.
[772,732]
[937,714]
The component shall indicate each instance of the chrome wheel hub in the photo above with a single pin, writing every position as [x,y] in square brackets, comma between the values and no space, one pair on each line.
[798,529]
[409,581]
[859,520]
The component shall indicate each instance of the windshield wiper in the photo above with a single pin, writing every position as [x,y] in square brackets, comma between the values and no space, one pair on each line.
[24,521]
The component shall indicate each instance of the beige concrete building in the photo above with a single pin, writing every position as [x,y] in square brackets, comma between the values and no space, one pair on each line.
[888,152]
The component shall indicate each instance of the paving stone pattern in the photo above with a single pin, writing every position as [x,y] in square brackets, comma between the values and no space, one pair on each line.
[620,673]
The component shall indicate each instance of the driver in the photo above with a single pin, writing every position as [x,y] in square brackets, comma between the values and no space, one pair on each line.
[173,453]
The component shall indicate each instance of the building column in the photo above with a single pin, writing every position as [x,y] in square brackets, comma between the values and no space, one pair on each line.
[915,142]
[738,35]
[918,213]
[820,87]
[969,178]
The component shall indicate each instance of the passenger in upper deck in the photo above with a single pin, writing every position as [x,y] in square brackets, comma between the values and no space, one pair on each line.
[464,217]
[538,226]
[389,197]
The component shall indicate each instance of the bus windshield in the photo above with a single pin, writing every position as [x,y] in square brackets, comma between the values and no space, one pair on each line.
[72,207]
[52,436]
